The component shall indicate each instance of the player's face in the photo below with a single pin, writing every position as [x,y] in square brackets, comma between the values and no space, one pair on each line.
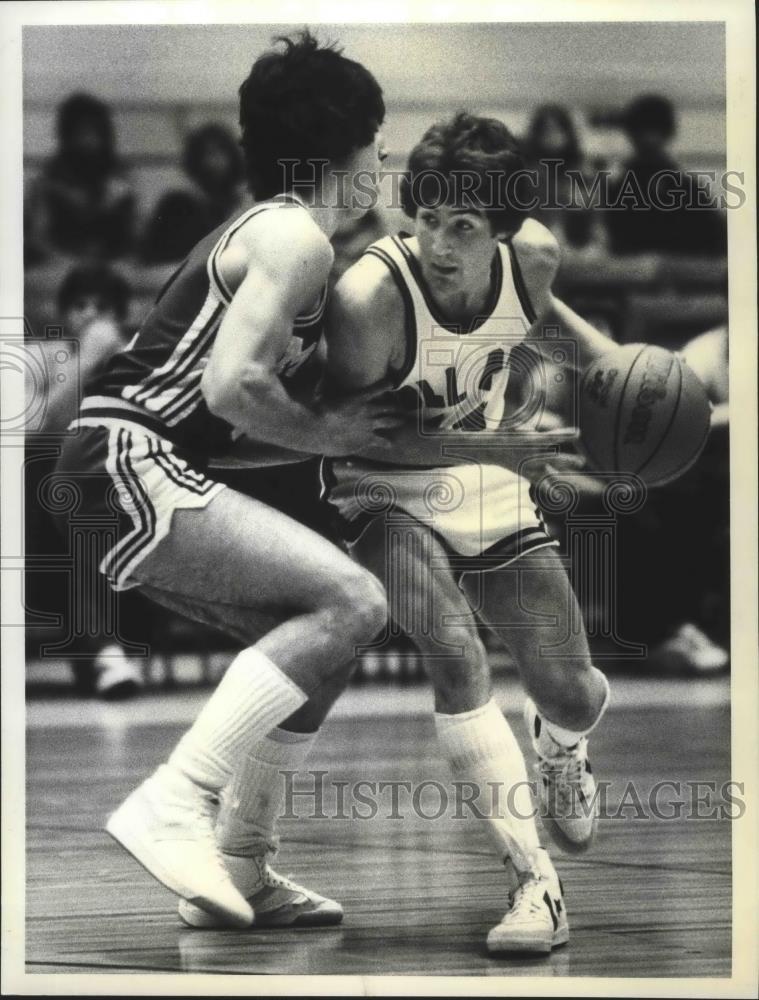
[456,248]
[359,190]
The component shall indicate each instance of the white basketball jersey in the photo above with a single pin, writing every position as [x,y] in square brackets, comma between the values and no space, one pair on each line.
[458,378]
[458,375]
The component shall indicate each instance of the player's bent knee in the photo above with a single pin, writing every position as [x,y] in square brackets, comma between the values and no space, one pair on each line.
[573,692]
[359,603]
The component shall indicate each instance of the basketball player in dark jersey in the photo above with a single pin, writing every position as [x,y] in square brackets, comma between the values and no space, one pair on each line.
[224,357]
[439,314]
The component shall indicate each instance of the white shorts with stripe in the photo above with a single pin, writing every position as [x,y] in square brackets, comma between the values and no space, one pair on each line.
[484,515]
[129,481]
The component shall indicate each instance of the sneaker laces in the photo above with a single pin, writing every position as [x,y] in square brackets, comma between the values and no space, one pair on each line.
[566,770]
[523,900]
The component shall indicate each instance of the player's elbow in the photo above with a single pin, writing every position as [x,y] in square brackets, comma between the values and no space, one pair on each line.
[217,392]
[232,394]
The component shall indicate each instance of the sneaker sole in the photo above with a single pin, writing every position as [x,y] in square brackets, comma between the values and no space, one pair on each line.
[194,915]
[530,946]
[127,838]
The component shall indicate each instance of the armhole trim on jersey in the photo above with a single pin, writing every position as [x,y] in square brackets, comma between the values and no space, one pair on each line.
[520,286]
[316,314]
[214,273]
[409,316]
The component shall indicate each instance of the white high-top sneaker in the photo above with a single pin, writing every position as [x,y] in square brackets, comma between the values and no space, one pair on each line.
[276,900]
[536,920]
[167,824]
[566,788]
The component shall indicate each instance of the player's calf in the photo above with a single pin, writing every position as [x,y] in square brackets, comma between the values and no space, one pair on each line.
[566,789]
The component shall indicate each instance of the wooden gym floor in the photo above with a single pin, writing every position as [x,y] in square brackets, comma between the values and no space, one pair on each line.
[653,898]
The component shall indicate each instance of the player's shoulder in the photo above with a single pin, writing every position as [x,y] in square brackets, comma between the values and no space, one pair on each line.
[285,237]
[368,286]
[536,245]
[538,254]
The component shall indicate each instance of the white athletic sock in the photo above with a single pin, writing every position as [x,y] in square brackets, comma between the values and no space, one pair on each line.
[570,737]
[252,697]
[480,747]
[253,800]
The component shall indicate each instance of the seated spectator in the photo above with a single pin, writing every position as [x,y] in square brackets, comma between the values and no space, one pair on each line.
[552,149]
[93,303]
[650,125]
[213,165]
[82,204]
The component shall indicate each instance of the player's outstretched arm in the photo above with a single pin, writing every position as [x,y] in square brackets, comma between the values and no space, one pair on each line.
[539,255]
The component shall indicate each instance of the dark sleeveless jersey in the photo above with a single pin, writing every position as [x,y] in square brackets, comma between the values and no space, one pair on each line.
[155,380]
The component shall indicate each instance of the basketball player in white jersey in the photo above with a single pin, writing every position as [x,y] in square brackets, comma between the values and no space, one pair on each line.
[438,313]
[227,351]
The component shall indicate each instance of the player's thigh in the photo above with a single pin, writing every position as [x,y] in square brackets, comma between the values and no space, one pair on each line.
[239,551]
[246,625]
[531,606]
[423,596]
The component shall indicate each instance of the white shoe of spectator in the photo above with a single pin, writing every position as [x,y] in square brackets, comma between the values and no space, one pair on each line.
[690,647]
[117,676]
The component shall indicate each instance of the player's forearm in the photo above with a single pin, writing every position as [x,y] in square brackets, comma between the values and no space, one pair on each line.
[589,342]
[258,406]
[411,446]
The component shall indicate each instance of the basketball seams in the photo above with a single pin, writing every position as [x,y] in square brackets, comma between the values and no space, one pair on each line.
[672,417]
[620,405]
[689,464]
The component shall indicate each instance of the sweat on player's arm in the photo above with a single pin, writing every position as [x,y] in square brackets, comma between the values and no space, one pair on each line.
[366,343]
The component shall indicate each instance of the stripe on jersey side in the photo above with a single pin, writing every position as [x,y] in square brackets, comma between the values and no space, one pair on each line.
[409,315]
[185,394]
[520,286]
[142,512]
[182,389]
[181,358]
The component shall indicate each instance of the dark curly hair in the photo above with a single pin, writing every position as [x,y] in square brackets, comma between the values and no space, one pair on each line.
[98,280]
[650,112]
[79,109]
[468,160]
[304,103]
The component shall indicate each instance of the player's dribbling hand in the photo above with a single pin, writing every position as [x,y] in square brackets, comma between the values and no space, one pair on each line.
[347,425]
[535,456]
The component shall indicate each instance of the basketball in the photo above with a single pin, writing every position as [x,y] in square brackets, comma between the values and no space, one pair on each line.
[642,410]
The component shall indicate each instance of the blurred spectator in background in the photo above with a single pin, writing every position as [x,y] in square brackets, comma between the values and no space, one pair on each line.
[650,125]
[552,148]
[213,164]
[93,303]
[674,565]
[82,204]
